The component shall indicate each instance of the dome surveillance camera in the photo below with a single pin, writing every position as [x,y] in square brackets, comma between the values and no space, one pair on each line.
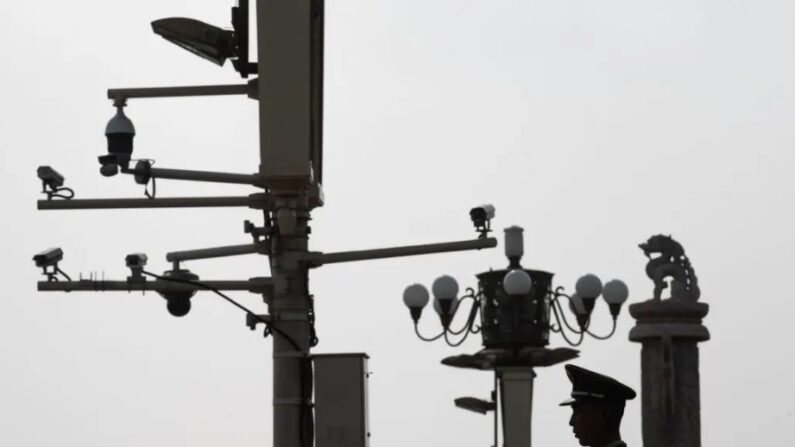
[178,301]
[178,307]
[120,132]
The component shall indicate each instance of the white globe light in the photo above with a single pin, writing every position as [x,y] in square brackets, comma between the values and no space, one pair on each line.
[445,288]
[576,305]
[438,307]
[615,292]
[416,295]
[517,282]
[588,286]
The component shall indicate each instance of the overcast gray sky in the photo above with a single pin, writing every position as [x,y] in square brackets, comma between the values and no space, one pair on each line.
[592,124]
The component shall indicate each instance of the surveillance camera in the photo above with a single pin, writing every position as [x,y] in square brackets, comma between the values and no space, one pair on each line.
[48,257]
[50,177]
[109,164]
[120,132]
[178,307]
[178,301]
[136,260]
[482,214]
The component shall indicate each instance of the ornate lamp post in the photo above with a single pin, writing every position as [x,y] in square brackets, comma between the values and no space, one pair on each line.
[518,309]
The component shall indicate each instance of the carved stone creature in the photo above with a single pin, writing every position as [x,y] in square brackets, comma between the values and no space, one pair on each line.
[673,263]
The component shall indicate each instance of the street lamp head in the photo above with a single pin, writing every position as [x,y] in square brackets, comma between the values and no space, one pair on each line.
[445,292]
[514,245]
[615,292]
[202,39]
[589,287]
[416,297]
[120,132]
[517,283]
[445,288]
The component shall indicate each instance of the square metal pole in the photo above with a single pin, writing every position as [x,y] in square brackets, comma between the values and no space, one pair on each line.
[290,47]
[290,40]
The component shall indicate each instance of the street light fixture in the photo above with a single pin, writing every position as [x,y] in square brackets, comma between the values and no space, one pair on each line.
[211,42]
[517,306]
[518,309]
[202,39]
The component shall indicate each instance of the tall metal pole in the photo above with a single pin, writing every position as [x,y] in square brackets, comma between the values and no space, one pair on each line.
[288,40]
[289,308]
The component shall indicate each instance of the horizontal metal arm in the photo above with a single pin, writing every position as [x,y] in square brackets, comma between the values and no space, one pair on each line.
[120,95]
[256,201]
[253,285]
[199,176]
[318,259]
[216,252]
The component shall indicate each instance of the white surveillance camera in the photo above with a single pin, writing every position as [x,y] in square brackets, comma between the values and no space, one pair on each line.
[481,215]
[136,260]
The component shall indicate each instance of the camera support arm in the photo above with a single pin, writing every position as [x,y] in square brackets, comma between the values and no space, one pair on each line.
[216,252]
[254,201]
[260,285]
[144,171]
[318,259]
[120,95]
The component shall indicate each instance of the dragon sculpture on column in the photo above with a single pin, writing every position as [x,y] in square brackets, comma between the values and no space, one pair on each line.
[671,262]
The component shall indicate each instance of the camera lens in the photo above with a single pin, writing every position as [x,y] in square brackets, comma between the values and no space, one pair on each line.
[109,170]
[178,307]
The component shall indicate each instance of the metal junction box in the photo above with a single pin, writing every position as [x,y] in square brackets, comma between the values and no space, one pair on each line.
[341,400]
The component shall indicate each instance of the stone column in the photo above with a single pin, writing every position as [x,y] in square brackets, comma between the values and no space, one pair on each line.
[670,331]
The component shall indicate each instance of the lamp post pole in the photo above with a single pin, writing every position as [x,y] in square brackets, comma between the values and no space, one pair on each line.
[289,45]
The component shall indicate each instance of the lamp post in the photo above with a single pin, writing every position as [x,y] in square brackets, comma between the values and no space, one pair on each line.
[518,309]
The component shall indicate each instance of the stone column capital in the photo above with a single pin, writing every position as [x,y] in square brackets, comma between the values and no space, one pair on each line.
[657,319]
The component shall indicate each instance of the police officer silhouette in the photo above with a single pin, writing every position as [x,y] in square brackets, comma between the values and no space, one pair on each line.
[597,404]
